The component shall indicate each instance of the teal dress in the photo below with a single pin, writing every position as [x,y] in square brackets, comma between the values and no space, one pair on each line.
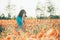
[1,29]
[19,21]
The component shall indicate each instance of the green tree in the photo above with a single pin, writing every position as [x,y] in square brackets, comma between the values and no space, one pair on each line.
[3,16]
[51,9]
[40,10]
[9,16]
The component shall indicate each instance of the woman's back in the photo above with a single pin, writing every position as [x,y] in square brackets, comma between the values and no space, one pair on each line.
[19,21]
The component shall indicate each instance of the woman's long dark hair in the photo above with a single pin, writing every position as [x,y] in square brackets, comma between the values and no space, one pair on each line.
[21,13]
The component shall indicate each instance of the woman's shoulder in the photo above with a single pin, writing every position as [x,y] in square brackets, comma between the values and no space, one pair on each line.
[18,17]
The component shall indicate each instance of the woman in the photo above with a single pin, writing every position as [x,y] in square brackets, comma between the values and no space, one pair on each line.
[20,19]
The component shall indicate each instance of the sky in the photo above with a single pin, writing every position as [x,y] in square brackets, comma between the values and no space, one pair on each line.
[28,5]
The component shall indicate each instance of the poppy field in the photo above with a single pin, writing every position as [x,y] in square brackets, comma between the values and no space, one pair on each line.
[33,29]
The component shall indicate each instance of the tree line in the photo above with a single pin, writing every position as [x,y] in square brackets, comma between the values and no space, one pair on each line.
[6,18]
